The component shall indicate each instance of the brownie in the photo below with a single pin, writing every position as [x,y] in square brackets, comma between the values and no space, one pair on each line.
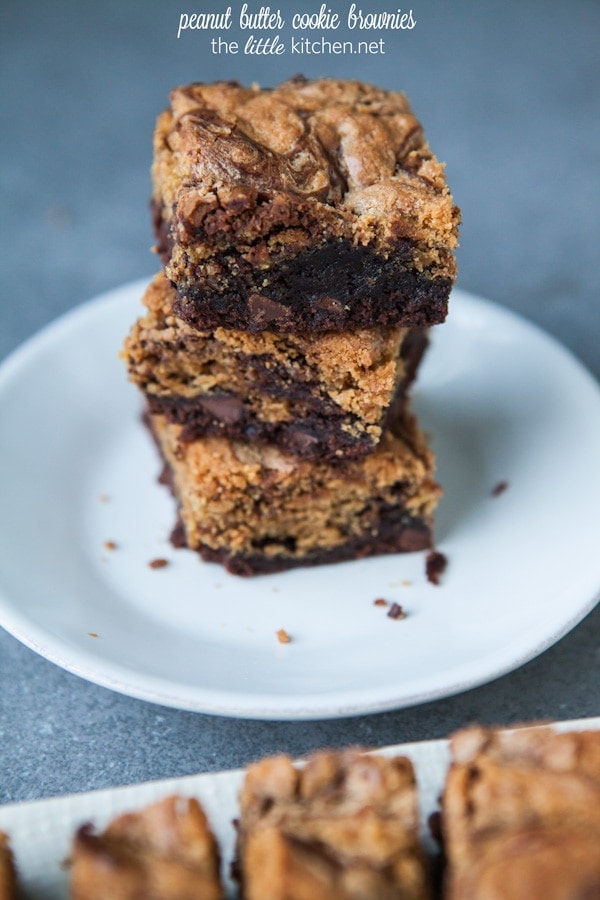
[8,873]
[163,852]
[342,827]
[317,205]
[521,815]
[257,509]
[321,396]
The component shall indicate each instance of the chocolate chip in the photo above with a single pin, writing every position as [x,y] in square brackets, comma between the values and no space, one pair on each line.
[226,409]
[301,440]
[330,304]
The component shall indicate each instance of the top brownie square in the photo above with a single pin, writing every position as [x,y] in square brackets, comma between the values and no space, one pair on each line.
[313,206]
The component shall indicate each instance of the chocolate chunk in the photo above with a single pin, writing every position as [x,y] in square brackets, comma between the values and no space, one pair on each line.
[330,304]
[415,537]
[300,441]
[264,310]
[225,408]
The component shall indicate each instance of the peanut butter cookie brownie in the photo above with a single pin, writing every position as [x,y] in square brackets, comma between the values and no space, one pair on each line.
[314,206]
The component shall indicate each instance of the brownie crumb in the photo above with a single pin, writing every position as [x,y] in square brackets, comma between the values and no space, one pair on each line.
[158,563]
[499,488]
[435,566]
[283,637]
[110,545]
[380,602]
[396,611]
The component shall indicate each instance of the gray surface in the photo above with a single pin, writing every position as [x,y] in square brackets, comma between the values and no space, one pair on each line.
[509,95]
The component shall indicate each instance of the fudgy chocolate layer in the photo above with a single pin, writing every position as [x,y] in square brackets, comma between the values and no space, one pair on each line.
[397,532]
[309,437]
[337,287]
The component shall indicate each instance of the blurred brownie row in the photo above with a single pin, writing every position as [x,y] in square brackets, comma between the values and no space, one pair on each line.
[520,820]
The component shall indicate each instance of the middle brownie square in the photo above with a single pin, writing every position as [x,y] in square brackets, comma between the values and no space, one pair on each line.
[320,396]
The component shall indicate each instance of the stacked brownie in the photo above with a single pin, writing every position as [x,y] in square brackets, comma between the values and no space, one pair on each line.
[308,238]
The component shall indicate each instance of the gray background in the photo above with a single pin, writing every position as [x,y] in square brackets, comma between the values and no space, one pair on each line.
[509,94]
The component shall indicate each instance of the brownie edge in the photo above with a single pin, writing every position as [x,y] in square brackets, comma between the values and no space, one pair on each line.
[396,532]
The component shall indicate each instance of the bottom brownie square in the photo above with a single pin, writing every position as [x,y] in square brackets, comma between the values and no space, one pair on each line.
[163,852]
[342,827]
[521,815]
[257,509]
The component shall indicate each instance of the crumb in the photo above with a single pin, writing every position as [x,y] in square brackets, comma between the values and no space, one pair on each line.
[405,583]
[110,545]
[380,602]
[103,498]
[396,611]
[158,563]
[92,634]
[282,636]
[435,565]
[499,488]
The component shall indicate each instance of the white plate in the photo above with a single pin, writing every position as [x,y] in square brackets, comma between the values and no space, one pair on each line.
[502,401]
[41,830]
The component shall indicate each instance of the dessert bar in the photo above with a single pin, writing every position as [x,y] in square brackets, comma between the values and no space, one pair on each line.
[258,509]
[163,852]
[521,815]
[342,827]
[317,205]
[8,874]
[325,396]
